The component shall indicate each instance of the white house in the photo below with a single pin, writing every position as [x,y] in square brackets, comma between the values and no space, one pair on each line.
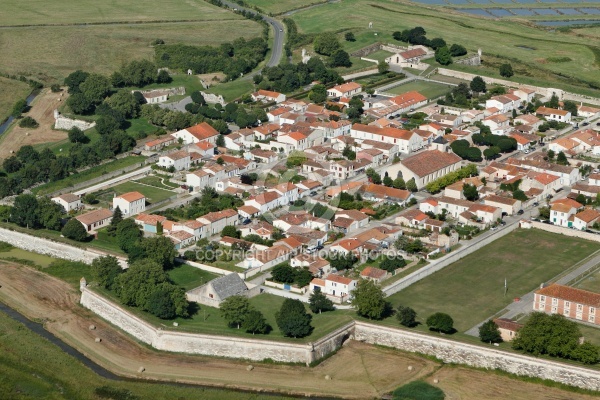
[586,218]
[68,201]
[336,286]
[553,114]
[156,97]
[215,221]
[498,124]
[265,201]
[406,141]
[198,133]
[198,179]
[345,90]
[268,96]
[179,160]
[504,103]
[95,219]
[131,203]
[562,212]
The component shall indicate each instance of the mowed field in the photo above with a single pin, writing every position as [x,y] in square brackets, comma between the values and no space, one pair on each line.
[470,31]
[431,90]
[472,289]
[11,91]
[591,282]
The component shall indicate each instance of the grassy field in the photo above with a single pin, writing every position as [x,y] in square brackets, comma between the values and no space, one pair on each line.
[161,183]
[379,55]
[88,174]
[590,282]
[40,12]
[279,7]
[104,48]
[470,31]
[11,91]
[153,194]
[189,277]
[38,259]
[233,89]
[472,289]
[34,368]
[430,90]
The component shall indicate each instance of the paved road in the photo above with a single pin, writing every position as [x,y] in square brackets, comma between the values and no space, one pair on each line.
[113,181]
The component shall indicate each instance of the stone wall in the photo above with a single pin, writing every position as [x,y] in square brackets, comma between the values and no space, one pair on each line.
[47,247]
[477,356]
[212,345]
[365,51]
[171,91]
[213,98]
[566,231]
[65,123]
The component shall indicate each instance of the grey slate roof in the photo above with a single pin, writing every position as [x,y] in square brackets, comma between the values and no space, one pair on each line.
[228,285]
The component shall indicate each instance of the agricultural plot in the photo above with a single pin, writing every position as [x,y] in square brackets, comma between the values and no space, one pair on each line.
[280,7]
[11,91]
[431,90]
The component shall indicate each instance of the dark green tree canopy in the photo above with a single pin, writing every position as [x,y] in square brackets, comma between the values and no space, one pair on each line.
[369,300]
[440,322]
[293,320]
[489,332]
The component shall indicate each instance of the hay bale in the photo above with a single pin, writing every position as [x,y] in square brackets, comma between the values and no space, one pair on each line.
[327,377]
[141,369]
[249,368]
[410,367]
[436,380]
[92,327]
[97,340]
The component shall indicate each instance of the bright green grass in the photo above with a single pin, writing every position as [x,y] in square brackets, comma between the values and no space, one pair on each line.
[107,243]
[161,183]
[104,48]
[10,92]
[470,31]
[233,89]
[34,368]
[139,125]
[153,194]
[281,6]
[40,12]
[189,277]
[88,174]
[431,90]
[472,289]
[64,146]
[379,55]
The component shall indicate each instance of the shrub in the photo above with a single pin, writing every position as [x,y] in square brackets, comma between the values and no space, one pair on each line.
[28,122]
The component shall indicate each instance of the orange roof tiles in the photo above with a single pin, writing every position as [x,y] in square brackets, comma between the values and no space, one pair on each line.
[131,196]
[428,162]
[571,294]
[202,131]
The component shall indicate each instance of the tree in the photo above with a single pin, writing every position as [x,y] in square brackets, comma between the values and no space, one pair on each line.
[95,88]
[399,183]
[76,135]
[74,230]
[28,122]
[106,269]
[548,334]
[392,263]
[24,211]
[49,214]
[411,185]
[349,153]
[230,231]
[340,58]
[437,43]
[470,192]
[220,141]
[456,50]
[519,195]
[406,316]
[255,322]
[383,67]
[506,70]
[318,302]
[587,353]
[440,322]
[234,309]
[125,102]
[74,79]
[198,98]
[326,43]
[349,36]
[571,107]
[561,159]
[318,94]
[489,332]
[478,85]
[160,303]
[292,319]
[139,281]
[554,101]
[12,164]
[128,235]
[19,108]
[388,181]
[368,298]
[302,276]
[581,199]
[159,249]
[550,155]
[283,273]
[79,104]
[163,77]
[114,222]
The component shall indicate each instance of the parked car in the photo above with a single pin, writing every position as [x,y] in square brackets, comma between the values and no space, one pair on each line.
[520,212]
[536,204]
[246,221]
[313,193]
[585,124]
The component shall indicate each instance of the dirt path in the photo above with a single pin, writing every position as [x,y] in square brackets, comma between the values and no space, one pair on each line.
[42,110]
[357,371]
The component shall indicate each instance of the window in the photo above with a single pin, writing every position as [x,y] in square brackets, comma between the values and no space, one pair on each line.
[592,310]
[554,302]
[567,304]
[592,318]
[579,307]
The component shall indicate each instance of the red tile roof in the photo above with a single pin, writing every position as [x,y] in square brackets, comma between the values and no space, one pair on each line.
[372,272]
[571,294]
[202,131]
[428,162]
[131,196]
[508,324]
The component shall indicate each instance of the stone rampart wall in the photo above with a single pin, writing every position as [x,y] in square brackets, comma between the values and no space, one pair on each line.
[477,356]
[566,231]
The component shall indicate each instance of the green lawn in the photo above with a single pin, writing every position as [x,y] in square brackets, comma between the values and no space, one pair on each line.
[35,368]
[472,289]
[20,254]
[88,174]
[281,6]
[161,183]
[233,89]
[468,30]
[379,55]
[140,125]
[153,194]
[64,146]
[431,90]
[189,277]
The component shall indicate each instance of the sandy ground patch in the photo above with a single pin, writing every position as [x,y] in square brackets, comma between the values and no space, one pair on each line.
[42,110]
[211,79]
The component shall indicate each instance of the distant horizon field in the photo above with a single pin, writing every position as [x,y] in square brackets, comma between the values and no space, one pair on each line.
[497,37]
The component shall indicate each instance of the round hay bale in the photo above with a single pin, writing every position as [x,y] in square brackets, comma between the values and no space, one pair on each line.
[410,367]
[92,327]
[141,369]
[175,324]
[97,340]
[327,377]
[249,368]
[436,380]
